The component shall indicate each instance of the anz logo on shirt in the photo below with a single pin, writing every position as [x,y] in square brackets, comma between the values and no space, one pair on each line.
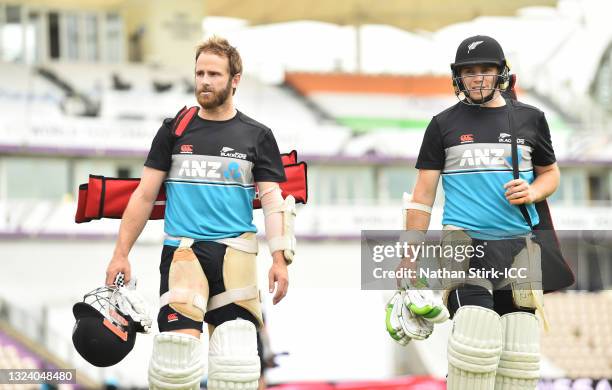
[203,169]
[485,156]
[210,169]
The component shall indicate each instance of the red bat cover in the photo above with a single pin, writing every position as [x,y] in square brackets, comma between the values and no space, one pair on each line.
[107,197]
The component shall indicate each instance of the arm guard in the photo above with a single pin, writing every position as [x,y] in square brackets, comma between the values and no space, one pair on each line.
[410,205]
[279,217]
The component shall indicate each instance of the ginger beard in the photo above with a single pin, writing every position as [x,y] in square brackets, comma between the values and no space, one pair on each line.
[210,99]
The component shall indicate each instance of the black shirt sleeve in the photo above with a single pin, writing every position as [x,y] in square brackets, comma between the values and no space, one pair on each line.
[543,153]
[431,155]
[268,163]
[160,154]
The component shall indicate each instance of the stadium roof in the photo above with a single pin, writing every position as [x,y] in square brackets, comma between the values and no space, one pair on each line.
[405,14]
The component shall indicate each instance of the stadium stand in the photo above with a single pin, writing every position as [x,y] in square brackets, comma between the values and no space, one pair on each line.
[402,102]
[22,347]
[580,333]
[128,119]
[22,91]
[393,127]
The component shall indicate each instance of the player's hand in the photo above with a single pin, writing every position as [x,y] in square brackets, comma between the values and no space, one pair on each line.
[278,278]
[118,264]
[409,266]
[518,191]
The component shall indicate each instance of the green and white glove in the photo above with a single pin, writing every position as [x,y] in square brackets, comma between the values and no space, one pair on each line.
[402,325]
[424,304]
[394,326]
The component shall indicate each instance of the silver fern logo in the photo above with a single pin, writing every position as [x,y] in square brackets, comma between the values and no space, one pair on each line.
[473,45]
[229,152]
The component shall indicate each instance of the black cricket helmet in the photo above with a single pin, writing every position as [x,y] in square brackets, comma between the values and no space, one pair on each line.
[480,50]
[103,335]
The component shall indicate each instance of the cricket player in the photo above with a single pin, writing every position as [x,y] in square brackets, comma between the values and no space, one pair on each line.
[494,342]
[211,173]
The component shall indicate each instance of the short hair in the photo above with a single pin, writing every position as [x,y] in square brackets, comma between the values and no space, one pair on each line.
[221,47]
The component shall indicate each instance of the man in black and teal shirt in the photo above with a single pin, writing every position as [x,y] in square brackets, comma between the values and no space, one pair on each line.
[469,146]
[211,173]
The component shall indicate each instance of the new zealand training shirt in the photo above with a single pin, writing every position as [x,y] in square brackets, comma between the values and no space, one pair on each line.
[471,147]
[212,170]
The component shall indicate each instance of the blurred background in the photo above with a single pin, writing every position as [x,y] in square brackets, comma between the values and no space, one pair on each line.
[84,86]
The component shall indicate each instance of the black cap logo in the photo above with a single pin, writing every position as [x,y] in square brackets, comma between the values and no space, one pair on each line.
[473,45]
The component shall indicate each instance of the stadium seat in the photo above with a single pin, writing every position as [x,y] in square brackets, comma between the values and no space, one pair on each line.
[577,343]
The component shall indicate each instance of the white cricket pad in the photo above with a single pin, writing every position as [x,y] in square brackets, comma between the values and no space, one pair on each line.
[474,349]
[519,366]
[232,357]
[177,362]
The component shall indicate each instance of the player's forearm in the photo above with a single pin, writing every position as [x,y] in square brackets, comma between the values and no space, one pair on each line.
[133,222]
[424,194]
[417,220]
[278,257]
[545,184]
[418,213]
